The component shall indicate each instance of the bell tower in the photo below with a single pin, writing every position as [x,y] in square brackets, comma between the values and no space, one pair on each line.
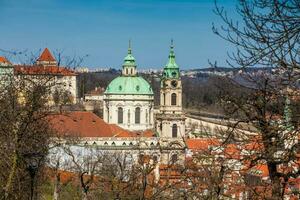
[170,119]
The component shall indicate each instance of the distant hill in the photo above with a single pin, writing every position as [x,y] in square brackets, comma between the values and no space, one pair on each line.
[229,69]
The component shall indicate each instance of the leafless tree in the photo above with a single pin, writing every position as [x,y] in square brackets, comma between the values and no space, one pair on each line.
[267,36]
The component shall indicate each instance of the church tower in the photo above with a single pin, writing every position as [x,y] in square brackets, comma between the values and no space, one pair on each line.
[170,119]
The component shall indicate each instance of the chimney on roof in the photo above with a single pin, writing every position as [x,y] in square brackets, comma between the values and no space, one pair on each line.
[46,59]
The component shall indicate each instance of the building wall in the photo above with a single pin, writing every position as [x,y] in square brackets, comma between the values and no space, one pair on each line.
[69,84]
[166,128]
[165,97]
[170,114]
[56,82]
[129,103]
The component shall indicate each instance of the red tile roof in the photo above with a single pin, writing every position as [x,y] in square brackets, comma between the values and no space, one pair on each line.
[46,56]
[201,144]
[4,60]
[232,151]
[86,124]
[43,70]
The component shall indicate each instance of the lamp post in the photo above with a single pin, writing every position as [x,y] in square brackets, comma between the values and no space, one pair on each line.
[32,161]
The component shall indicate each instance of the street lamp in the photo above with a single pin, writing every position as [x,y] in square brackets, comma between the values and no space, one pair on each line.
[32,161]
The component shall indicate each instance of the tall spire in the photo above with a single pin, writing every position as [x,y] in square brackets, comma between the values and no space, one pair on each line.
[171,69]
[171,63]
[172,54]
[129,46]
[129,66]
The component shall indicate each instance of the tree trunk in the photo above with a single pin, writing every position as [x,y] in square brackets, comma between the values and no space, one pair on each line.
[84,195]
[11,175]
[56,187]
[275,182]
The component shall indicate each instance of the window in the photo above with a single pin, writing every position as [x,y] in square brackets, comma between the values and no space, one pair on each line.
[174,131]
[126,71]
[137,115]
[128,117]
[164,99]
[120,115]
[131,71]
[174,158]
[155,159]
[173,99]
[141,159]
[174,74]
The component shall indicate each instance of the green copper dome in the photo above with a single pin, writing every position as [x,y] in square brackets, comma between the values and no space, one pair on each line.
[129,82]
[129,85]
[171,70]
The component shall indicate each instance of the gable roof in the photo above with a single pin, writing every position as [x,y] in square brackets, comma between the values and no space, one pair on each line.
[4,60]
[86,124]
[46,56]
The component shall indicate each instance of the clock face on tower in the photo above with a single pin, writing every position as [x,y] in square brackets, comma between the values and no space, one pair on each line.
[174,83]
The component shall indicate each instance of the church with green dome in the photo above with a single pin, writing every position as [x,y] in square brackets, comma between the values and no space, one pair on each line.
[129,98]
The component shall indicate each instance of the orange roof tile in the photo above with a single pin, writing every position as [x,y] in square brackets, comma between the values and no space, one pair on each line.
[254,146]
[232,151]
[201,144]
[81,124]
[86,124]
[263,169]
[46,56]
[41,70]
[4,60]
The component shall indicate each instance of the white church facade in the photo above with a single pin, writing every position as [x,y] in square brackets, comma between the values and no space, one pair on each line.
[129,99]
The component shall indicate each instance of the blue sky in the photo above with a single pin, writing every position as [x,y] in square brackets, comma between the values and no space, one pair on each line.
[101,30]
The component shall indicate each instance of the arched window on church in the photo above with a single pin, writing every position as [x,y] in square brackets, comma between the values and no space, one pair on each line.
[137,115]
[164,99]
[120,115]
[174,130]
[173,99]
[131,71]
[174,158]
[126,71]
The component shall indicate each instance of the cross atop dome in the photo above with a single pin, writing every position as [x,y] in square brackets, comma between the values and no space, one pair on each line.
[46,59]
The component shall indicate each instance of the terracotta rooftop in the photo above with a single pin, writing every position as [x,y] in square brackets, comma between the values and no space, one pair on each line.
[201,144]
[46,56]
[41,70]
[4,60]
[86,124]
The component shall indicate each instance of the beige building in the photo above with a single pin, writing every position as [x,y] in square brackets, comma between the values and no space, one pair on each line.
[60,79]
[170,120]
